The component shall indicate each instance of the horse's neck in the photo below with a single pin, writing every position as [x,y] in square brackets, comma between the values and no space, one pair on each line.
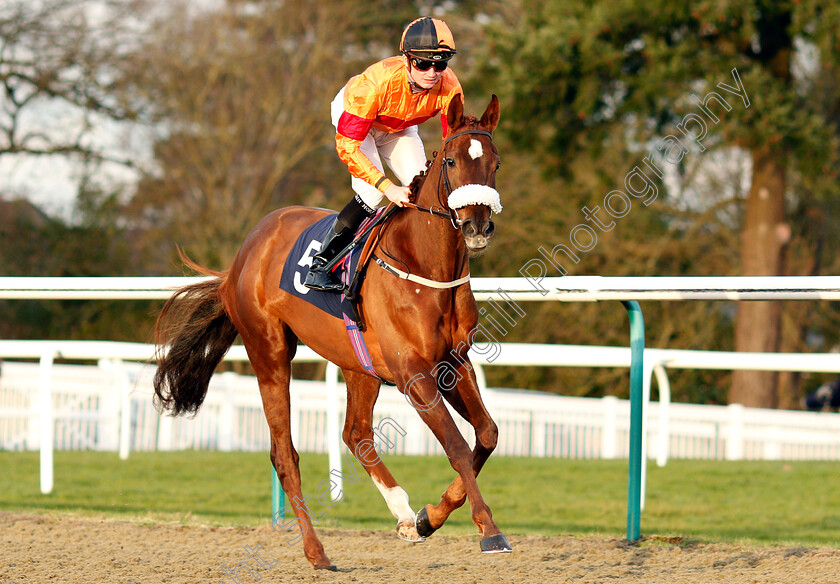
[429,244]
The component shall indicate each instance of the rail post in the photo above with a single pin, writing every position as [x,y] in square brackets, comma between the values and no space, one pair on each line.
[634,489]
[47,420]
[278,498]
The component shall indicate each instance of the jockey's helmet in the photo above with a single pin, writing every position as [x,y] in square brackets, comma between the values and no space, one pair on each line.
[428,38]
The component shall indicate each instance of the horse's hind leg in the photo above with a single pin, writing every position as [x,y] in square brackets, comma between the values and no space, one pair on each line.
[272,365]
[362,391]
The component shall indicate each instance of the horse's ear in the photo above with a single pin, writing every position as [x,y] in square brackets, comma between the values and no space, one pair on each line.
[490,117]
[455,113]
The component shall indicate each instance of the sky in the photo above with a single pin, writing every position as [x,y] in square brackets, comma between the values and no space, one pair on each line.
[46,181]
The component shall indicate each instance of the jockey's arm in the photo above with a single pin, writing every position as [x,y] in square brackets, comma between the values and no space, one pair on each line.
[361,105]
[360,166]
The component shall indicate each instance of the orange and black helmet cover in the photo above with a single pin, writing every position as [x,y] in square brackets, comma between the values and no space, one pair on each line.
[428,38]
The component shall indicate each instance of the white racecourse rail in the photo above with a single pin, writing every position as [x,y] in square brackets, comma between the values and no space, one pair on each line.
[545,423]
[108,407]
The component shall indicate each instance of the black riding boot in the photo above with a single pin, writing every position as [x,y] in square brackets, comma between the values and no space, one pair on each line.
[320,276]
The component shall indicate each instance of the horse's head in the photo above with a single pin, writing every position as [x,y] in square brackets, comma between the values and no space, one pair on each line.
[469,161]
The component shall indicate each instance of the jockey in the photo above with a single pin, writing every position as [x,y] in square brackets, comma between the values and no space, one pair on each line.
[376,116]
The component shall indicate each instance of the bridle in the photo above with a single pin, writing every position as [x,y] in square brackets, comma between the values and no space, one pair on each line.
[452,214]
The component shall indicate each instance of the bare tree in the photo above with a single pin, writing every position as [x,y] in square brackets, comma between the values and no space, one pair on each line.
[58,74]
[240,95]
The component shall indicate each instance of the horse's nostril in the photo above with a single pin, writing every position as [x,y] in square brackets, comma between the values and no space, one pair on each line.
[469,229]
[489,229]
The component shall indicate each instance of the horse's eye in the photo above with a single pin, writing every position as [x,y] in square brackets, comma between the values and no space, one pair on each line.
[450,161]
[498,164]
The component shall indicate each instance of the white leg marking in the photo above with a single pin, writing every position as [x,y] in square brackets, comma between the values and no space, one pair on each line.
[397,500]
[476,149]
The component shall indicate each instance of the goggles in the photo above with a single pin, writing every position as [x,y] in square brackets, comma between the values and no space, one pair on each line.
[424,65]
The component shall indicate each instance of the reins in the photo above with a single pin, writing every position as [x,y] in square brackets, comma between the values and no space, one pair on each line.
[435,212]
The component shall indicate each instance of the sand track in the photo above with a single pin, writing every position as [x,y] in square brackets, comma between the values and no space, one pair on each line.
[41,548]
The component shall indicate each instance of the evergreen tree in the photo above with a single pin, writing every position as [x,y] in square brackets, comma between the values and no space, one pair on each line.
[676,82]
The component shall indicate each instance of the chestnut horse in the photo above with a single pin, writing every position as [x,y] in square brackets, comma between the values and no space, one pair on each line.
[413,329]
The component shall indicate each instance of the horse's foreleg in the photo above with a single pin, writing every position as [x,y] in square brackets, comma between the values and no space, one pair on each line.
[362,391]
[466,400]
[424,395]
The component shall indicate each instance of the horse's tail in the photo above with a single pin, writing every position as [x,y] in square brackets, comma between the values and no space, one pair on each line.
[193,332]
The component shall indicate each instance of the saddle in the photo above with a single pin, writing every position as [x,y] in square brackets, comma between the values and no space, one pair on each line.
[348,268]
[351,270]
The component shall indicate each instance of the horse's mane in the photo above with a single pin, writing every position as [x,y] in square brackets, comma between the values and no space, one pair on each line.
[417,183]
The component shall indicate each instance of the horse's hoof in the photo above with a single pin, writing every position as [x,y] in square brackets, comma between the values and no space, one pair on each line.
[424,526]
[495,544]
[331,567]
[407,531]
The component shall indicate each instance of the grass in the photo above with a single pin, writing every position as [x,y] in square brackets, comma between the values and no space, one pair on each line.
[765,503]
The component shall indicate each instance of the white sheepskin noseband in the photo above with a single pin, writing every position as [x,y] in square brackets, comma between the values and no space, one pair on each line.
[467,195]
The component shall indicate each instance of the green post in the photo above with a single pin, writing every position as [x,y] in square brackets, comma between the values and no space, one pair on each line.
[634,489]
[278,497]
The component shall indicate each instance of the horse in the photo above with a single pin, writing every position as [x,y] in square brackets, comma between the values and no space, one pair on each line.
[416,333]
